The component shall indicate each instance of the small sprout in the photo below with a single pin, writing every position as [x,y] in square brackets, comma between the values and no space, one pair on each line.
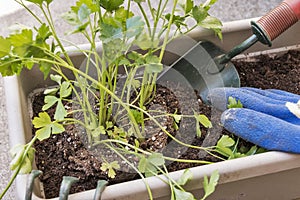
[110,167]
[98,131]
[50,100]
[233,103]
[138,116]
[227,147]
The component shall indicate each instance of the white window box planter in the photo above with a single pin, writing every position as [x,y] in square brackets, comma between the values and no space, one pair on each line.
[271,175]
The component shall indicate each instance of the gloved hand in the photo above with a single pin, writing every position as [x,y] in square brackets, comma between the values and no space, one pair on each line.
[269,118]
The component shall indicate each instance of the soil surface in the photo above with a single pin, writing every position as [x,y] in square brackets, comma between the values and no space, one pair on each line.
[67,155]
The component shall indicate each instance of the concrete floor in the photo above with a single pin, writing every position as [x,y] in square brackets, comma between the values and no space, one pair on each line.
[226,10]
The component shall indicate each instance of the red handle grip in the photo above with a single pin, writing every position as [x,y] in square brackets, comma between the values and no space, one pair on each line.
[280,18]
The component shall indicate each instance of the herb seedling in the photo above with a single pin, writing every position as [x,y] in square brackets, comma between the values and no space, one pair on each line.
[233,103]
[119,30]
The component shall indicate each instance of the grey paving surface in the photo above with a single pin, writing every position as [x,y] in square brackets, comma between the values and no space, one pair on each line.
[226,10]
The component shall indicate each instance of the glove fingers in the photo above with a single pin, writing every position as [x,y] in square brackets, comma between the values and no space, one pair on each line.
[252,100]
[218,97]
[262,129]
[284,93]
[276,94]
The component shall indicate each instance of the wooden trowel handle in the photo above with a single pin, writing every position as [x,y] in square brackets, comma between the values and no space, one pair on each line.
[267,28]
[279,19]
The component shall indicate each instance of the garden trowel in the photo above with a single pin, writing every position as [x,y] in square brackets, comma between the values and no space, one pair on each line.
[205,66]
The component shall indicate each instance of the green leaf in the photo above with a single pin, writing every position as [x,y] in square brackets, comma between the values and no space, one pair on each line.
[233,103]
[211,23]
[51,91]
[99,130]
[43,34]
[71,18]
[138,115]
[109,124]
[153,68]
[156,159]
[185,177]
[43,121]
[21,42]
[40,2]
[149,165]
[111,5]
[136,57]
[28,64]
[16,153]
[110,33]
[204,120]
[177,20]
[199,14]
[134,26]
[91,4]
[56,78]
[189,4]
[83,12]
[49,102]
[223,146]
[26,166]
[45,67]
[182,195]
[9,67]
[226,141]
[111,168]
[210,186]
[177,118]
[209,3]
[5,47]
[65,90]
[60,112]
[252,151]
[145,42]
[143,164]
[121,15]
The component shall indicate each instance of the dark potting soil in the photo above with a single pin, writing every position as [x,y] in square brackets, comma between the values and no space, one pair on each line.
[67,155]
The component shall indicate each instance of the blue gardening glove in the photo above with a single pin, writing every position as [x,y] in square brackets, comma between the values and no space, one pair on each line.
[269,118]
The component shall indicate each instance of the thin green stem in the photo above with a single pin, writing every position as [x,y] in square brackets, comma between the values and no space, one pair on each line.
[165,42]
[28,10]
[145,18]
[51,25]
